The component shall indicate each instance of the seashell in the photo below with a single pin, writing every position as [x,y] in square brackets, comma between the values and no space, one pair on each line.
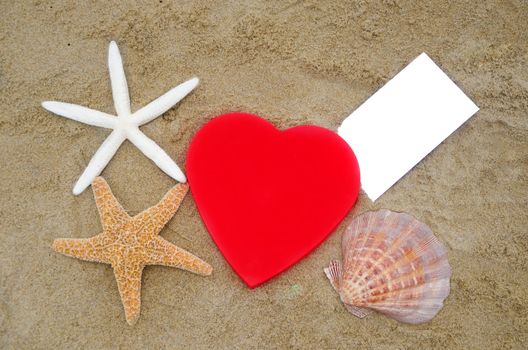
[393,264]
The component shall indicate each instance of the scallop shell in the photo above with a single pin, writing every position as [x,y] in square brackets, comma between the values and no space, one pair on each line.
[392,263]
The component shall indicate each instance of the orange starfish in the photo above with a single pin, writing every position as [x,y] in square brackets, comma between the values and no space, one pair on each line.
[130,243]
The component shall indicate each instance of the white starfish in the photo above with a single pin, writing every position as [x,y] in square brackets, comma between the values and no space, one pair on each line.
[126,124]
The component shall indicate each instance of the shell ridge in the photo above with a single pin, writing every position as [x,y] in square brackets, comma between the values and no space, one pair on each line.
[395,243]
[349,235]
[357,311]
[407,302]
[369,218]
[333,272]
[420,260]
[356,262]
[437,269]
[411,315]
[440,273]
[380,244]
[394,264]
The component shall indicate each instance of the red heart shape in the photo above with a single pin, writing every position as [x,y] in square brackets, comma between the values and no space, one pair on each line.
[269,197]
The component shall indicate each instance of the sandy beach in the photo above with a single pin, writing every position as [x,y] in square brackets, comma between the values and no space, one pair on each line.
[294,63]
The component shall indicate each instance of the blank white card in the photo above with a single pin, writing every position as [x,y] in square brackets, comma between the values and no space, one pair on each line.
[404,121]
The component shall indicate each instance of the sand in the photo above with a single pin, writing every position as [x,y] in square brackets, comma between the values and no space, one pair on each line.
[294,63]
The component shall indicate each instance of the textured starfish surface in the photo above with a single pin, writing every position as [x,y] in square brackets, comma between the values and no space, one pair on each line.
[130,243]
[126,124]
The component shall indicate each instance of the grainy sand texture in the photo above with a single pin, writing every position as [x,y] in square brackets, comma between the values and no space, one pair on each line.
[294,63]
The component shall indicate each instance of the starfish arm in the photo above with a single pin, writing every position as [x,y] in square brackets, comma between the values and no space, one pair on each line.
[88,249]
[99,161]
[167,254]
[111,212]
[153,219]
[118,81]
[163,103]
[156,154]
[80,114]
[128,277]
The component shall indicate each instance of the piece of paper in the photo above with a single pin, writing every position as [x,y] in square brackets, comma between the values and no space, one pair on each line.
[404,121]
